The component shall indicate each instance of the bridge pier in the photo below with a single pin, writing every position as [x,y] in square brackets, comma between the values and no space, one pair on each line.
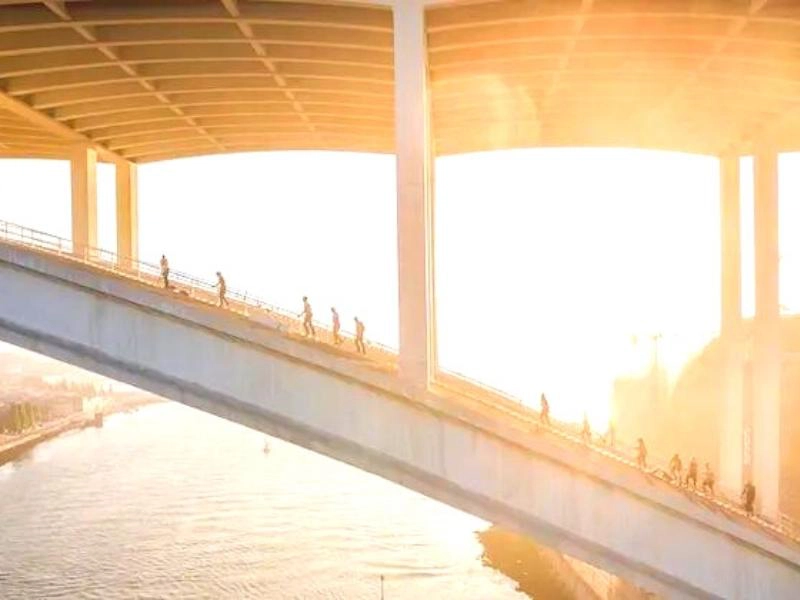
[731,450]
[417,332]
[127,214]
[766,336]
[84,199]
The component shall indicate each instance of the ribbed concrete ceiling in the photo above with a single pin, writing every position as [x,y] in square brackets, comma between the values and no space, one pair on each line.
[156,79]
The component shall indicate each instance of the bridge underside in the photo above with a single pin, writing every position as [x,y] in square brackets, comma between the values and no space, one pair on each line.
[469,455]
[147,80]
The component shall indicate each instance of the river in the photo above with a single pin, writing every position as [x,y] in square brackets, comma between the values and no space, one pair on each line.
[168,502]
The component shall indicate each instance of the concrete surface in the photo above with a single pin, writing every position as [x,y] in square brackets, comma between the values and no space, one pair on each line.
[459,451]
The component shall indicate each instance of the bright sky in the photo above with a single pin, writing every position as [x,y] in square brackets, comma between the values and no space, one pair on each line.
[550,263]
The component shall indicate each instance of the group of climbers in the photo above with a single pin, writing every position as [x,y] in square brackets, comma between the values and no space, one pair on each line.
[306,313]
[748,495]
[308,326]
[676,475]
[675,465]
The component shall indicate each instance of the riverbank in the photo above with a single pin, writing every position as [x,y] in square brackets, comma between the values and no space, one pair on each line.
[13,447]
[171,502]
[544,573]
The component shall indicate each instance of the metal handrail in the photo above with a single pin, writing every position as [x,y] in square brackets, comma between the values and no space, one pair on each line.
[790,524]
[240,301]
[622,452]
[249,305]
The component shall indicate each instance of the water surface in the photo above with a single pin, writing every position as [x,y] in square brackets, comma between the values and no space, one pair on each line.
[169,502]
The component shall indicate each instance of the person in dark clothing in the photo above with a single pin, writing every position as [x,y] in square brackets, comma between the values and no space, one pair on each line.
[676,468]
[544,410]
[586,431]
[223,289]
[749,498]
[308,317]
[708,481]
[165,271]
[360,347]
[337,339]
[692,474]
[641,454]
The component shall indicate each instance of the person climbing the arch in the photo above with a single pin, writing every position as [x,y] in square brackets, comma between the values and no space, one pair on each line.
[641,454]
[749,498]
[223,289]
[676,469]
[165,271]
[544,410]
[586,432]
[308,318]
[708,481]
[692,474]
[360,347]
[337,339]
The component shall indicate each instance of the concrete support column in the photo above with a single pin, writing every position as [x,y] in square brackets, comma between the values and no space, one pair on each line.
[731,450]
[84,200]
[417,359]
[766,338]
[127,215]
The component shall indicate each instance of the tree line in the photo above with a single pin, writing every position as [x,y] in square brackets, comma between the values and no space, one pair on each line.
[20,417]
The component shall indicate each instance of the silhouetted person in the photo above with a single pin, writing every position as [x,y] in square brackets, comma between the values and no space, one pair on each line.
[165,271]
[544,410]
[336,326]
[223,289]
[692,474]
[360,347]
[586,431]
[676,469]
[308,318]
[749,497]
[708,481]
[641,454]
[611,436]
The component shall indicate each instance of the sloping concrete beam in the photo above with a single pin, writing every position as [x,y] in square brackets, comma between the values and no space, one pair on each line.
[58,129]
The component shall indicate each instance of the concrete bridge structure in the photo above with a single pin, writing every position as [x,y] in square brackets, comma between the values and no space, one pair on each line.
[460,444]
[130,82]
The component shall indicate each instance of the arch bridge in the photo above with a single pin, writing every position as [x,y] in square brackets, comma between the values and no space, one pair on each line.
[136,81]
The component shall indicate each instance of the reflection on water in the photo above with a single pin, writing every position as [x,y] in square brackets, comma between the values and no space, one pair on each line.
[171,503]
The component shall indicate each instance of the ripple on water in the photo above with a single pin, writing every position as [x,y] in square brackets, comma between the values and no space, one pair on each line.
[170,503]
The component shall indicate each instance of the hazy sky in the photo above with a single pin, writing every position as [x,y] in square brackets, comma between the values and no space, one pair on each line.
[549,262]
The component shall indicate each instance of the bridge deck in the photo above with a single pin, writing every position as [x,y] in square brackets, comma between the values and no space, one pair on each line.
[511,411]
[460,442]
